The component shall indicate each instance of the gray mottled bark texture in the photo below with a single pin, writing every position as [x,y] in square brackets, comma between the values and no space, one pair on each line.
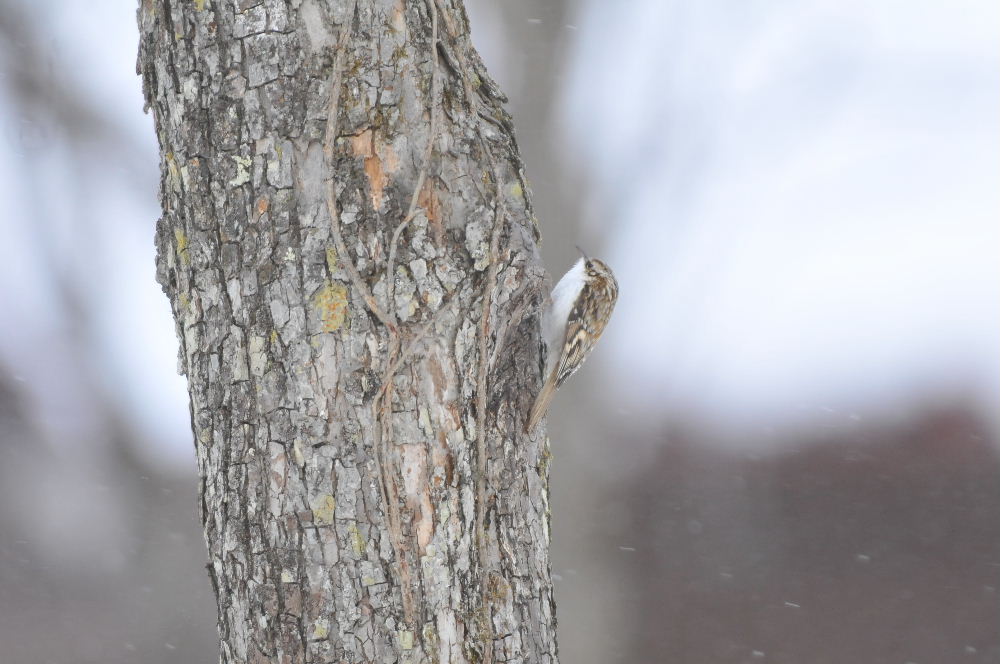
[350,253]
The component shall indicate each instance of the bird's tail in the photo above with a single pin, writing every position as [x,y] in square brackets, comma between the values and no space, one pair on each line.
[542,402]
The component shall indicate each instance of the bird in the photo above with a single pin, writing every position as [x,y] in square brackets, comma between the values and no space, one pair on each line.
[581,305]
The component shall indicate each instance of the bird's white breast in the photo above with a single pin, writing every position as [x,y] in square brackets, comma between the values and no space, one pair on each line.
[563,298]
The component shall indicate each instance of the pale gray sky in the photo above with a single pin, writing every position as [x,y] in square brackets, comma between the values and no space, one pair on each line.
[806,193]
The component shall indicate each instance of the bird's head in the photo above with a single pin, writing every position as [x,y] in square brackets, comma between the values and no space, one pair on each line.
[598,273]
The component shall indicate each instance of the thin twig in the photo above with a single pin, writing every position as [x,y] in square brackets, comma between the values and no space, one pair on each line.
[482,370]
[329,141]
[409,348]
[382,403]
[500,217]
[388,490]
[390,497]
[390,286]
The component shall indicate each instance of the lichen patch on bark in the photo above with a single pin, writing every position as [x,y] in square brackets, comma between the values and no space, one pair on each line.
[331,305]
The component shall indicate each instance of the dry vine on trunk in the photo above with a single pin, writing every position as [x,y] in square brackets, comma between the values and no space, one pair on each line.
[349,250]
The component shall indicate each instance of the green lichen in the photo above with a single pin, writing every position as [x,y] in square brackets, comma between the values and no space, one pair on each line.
[172,168]
[242,170]
[425,420]
[182,246]
[331,259]
[357,541]
[331,305]
[430,635]
[323,509]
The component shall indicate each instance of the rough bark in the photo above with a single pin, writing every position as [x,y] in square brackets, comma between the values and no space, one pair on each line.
[349,250]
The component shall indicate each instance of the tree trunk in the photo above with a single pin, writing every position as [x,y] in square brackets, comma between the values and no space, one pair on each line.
[349,250]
